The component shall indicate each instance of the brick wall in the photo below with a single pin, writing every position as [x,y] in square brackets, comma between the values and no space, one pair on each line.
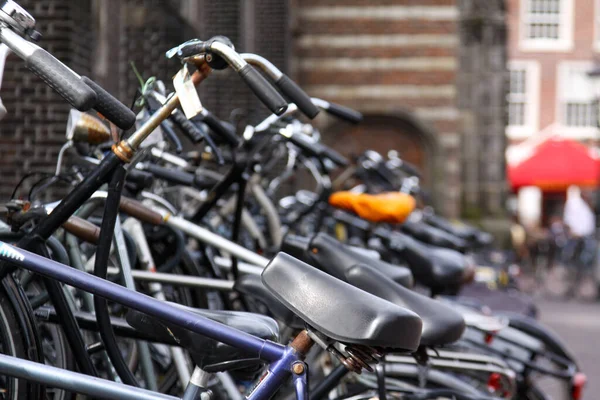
[33,131]
[409,67]
[395,60]
[406,64]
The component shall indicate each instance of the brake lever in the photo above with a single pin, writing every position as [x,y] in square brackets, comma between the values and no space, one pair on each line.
[160,98]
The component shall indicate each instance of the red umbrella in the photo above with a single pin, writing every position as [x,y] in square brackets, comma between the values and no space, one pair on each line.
[555,165]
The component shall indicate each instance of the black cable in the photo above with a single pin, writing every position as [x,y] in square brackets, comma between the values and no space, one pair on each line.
[111,207]
[131,248]
[175,259]
[53,179]
[59,253]
[27,175]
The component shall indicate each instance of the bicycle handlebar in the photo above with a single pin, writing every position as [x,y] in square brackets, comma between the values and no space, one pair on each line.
[263,89]
[288,87]
[81,92]
[226,131]
[337,110]
[53,72]
[221,51]
[316,149]
[257,83]
[115,111]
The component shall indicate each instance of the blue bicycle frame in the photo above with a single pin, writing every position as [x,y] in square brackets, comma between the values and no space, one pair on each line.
[282,359]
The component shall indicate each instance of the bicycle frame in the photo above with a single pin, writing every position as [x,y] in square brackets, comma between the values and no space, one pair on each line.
[283,360]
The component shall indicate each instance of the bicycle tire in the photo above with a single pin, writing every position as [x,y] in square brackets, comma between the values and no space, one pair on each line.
[19,338]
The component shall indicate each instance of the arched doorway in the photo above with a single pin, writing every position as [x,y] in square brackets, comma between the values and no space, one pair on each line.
[382,133]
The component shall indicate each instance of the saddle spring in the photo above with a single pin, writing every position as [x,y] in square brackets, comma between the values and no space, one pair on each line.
[360,357]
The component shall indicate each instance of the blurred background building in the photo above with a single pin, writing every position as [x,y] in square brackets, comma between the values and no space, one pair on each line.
[430,76]
[553,109]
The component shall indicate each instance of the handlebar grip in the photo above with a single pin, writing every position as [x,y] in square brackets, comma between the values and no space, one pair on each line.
[294,93]
[334,156]
[115,111]
[60,78]
[346,113]
[410,169]
[139,177]
[139,211]
[219,127]
[305,145]
[172,175]
[83,229]
[187,127]
[318,150]
[263,90]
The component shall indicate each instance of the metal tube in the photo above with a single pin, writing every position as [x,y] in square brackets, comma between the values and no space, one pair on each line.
[168,157]
[136,139]
[137,232]
[329,383]
[74,382]
[17,44]
[265,65]
[273,221]
[234,60]
[244,268]
[181,280]
[143,347]
[292,108]
[265,349]
[215,240]
[159,200]
[271,119]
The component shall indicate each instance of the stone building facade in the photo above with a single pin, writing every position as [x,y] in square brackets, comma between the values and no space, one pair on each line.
[429,75]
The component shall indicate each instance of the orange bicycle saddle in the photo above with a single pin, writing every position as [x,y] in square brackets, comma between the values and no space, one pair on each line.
[393,207]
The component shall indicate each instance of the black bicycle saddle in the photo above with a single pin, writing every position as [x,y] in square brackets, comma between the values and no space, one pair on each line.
[434,236]
[434,267]
[330,255]
[441,324]
[339,310]
[207,353]
[251,286]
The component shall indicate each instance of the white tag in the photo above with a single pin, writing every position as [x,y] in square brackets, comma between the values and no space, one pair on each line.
[186,91]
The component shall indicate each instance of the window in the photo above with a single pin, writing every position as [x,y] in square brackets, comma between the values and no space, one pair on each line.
[517,97]
[546,25]
[577,108]
[523,98]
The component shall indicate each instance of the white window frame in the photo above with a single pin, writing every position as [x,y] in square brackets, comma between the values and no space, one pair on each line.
[532,104]
[565,41]
[572,132]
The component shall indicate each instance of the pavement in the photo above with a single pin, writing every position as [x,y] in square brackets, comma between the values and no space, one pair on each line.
[578,324]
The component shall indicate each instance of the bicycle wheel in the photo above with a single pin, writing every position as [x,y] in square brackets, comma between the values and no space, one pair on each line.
[17,339]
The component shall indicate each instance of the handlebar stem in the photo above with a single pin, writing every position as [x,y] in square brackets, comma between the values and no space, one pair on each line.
[132,143]
[234,59]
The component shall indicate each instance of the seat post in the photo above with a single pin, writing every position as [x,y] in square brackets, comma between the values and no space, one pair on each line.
[380,372]
[196,388]
[302,343]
